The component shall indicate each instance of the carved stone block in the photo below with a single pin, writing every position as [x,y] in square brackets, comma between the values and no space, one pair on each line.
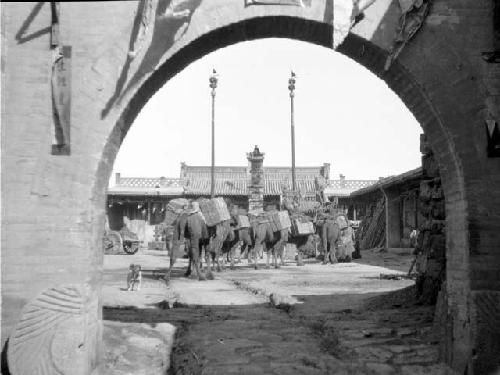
[56,333]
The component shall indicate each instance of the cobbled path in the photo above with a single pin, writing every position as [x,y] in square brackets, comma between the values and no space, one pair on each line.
[347,320]
[261,339]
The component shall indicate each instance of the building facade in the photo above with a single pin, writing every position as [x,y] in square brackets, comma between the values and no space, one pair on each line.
[143,199]
[402,208]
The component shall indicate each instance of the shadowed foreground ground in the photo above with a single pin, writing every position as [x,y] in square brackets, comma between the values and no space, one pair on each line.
[335,319]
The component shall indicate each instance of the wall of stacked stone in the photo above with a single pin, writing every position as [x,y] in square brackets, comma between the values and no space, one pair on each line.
[431,242]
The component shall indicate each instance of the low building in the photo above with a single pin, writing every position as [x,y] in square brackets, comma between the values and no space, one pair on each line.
[141,201]
[400,197]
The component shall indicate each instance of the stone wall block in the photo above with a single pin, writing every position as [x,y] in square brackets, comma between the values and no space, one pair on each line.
[425,148]
[429,166]
[426,242]
[434,268]
[426,209]
[425,192]
[437,226]
[438,209]
[487,327]
[425,226]
[438,246]
[437,191]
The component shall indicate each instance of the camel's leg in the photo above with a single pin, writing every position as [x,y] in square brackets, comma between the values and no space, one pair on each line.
[255,251]
[207,261]
[243,249]
[282,255]
[216,260]
[171,252]
[333,254]
[324,243]
[223,261]
[188,271]
[190,261]
[268,255]
[202,255]
[326,255]
[195,250]
[274,254]
[232,256]
[216,251]
[247,254]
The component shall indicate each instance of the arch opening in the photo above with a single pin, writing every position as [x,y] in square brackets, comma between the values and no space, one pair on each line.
[361,51]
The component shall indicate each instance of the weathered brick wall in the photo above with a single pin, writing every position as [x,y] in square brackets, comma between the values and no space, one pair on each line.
[51,223]
[53,206]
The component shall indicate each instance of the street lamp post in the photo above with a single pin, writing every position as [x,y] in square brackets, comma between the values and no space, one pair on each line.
[291,87]
[213,85]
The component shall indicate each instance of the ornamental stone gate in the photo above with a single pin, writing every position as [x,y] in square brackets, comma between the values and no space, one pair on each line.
[75,76]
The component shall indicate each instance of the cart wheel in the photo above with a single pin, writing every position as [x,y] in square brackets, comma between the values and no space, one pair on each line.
[130,247]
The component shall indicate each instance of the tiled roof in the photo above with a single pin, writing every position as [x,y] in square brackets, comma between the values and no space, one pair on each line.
[222,186]
[151,182]
[232,181]
[239,187]
[238,172]
[342,188]
[148,186]
[203,172]
[414,174]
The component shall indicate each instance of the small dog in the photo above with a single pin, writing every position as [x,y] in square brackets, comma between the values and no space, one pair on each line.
[134,277]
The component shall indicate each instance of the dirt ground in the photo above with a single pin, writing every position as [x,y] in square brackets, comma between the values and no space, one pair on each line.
[315,319]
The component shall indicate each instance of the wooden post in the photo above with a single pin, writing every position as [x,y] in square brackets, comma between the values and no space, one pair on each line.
[213,85]
[291,87]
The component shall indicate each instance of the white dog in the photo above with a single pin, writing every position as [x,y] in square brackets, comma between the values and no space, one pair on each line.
[134,277]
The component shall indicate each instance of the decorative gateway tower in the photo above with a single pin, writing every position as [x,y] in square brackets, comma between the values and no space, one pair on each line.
[256,185]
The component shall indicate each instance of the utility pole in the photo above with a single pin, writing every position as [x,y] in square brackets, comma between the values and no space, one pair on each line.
[291,87]
[213,85]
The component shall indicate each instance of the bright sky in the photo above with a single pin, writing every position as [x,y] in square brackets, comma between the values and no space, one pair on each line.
[344,115]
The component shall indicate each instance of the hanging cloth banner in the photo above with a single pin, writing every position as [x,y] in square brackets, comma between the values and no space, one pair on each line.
[413,15]
[61,100]
[344,14]
[301,3]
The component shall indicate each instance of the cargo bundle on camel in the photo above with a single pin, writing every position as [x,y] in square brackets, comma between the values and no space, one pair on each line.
[208,226]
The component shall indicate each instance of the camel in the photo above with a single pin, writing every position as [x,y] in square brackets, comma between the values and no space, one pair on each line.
[264,239]
[241,237]
[191,229]
[329,231]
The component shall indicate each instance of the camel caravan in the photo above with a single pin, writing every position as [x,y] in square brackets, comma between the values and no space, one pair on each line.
[208,229]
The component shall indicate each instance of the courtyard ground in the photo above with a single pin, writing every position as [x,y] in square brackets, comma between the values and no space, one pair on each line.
[315,319]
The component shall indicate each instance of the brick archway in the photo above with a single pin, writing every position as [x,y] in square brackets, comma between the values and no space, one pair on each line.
[399,78]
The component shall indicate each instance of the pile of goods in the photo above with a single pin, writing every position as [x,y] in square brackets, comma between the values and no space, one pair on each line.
[242,221]
[371,232]
[279,220]
[174,208]
[309,208]
[302,225]
[240,216]
[214,211]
